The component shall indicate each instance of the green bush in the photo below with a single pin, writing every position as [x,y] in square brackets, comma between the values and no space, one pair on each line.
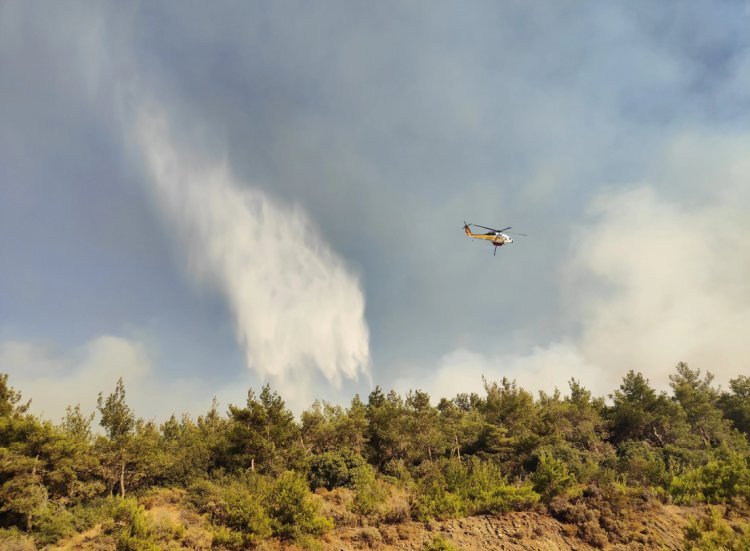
[241,510]
[712,532]
[488,490]
[505,497]
[93,512]
[434,498]
[726,477]
[440,504]
[334,469]
[128,514]
[53,524]
[12,539]
[551,477]
[292,510]
[235,508]
[247,509]
[202,495]
[368,491]
[166,530]
[130,526]
[718,481]
[396,471]
[453,488]
[439,543]
[687,488]
[224,537]
[642,464]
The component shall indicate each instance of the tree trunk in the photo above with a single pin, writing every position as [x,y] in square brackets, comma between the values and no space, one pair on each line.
[29,523]
[122,480]
[658,436]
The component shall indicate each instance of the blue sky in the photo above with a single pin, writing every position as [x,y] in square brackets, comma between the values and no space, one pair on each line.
[203,198]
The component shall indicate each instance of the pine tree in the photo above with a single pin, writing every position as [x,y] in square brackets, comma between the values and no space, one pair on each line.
[263,435]
[736,404]
[699,401]
[118,422]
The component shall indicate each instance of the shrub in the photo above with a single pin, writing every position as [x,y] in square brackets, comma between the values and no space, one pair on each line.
[687,487]
[439,543]
[712,532]
[505,497]
[551,477]
[227,538]
[198,538]
[453,488]
[241,510]
[292,509]
[162,496]
[488,491]
[337,504]
[249,508]
[328,470]
[235,508]
[726,477]
[203,495]
[434,501]
[370,536]
[369,493]
[642,464]
[334,469]
[396,506]
[309,543]
[95,511]
[12,539]
[130,526]
[718,481]
[165,529]
[397,470]
[53,524]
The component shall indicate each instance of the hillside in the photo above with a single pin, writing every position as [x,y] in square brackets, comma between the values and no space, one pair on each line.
[661,527]
[505,470]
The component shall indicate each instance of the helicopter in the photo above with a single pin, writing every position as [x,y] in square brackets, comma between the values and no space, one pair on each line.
[497,237]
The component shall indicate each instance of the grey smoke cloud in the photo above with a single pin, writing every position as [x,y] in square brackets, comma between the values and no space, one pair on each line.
[658,273]
[388,124]
[669,265]
[296,305]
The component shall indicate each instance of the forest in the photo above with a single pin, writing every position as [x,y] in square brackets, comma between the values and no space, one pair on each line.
[255,473]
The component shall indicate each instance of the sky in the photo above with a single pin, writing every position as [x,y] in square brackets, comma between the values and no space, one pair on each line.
[201,199]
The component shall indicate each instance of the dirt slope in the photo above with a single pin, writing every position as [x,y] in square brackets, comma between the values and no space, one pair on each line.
[512,531]
[659,528]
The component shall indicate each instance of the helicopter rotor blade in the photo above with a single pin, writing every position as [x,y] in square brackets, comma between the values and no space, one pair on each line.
[492,229]
[514,233]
